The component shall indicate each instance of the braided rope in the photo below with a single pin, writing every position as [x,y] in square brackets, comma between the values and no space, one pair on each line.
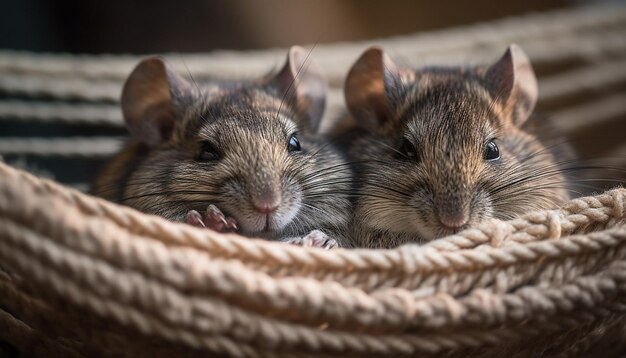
[61,112]
[599,211]
[69,147]
[212,292]
[604,110]
[593,46]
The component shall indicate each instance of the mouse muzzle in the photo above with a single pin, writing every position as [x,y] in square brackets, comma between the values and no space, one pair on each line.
[452,212]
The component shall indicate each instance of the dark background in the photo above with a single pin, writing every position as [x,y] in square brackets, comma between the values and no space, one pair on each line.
[141,27]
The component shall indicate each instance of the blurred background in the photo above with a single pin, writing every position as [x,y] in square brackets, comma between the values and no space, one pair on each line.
[62,63]
[142,27]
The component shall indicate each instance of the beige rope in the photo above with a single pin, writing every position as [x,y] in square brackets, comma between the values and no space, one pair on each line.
[602,111]
[596,211]
[543,51]
[275,330]
[25,332]
[217,273]
[69,147]
[61,112]
[211,292]
[554,89]
[356,269]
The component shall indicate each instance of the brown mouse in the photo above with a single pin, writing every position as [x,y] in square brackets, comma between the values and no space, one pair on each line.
[247,150]
[444,148]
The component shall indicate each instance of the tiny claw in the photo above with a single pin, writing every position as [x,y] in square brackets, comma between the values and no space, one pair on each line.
[330,244]
[215,212]
[231,223]
[214,218]
[194,219]
[315,238]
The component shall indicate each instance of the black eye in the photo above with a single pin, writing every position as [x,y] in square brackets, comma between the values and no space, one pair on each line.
[294,144]
[208,153]
[407,149]
[491,151]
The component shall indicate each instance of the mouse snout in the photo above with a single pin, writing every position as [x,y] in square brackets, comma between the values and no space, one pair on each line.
[453,212]
[266,201]
[454,218]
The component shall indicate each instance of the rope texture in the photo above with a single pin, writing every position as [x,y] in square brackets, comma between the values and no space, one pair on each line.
[78,259]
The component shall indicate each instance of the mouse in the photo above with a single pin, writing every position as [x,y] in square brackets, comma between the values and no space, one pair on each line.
[443,148]
[240,156]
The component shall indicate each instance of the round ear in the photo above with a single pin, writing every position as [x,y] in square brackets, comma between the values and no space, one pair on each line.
[150,100]
[373,83]
[512,81]
[302,82]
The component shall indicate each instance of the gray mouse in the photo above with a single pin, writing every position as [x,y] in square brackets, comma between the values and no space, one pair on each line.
[443,148]
[241,156]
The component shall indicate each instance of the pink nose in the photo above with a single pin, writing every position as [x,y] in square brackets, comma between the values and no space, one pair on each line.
[265,207]
[454,219]
[266,201]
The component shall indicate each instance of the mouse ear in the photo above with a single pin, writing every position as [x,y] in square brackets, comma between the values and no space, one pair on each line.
[512,81]
[370,89]
[151,100]
[302,83]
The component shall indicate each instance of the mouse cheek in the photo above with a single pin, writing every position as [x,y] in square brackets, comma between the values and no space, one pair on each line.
[291,204]
[481,207]
[230,202]
[422,212]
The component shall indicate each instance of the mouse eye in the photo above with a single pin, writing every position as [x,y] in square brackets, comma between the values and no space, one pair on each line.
[208,153]
[407,149]
[294,144]
[491,151]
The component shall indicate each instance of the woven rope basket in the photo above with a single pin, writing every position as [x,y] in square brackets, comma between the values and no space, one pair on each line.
[80,276]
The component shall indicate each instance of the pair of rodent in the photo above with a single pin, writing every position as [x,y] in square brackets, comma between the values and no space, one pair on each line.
[434,150]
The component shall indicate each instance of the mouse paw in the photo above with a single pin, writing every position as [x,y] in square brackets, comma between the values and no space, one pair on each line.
[213,219]
[194,218]
[315,238]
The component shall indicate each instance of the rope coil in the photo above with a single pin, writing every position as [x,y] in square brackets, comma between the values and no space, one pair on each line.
[209,292]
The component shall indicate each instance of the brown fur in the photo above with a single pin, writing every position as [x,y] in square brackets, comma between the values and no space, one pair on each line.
[448,114]
[249,124]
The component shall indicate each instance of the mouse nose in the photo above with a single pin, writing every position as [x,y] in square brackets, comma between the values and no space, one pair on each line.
[266,202]
[265,207]
[454,219]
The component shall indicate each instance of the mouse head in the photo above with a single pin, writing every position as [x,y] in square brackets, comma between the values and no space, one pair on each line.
[158,104]
[247,146]
[450,138]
